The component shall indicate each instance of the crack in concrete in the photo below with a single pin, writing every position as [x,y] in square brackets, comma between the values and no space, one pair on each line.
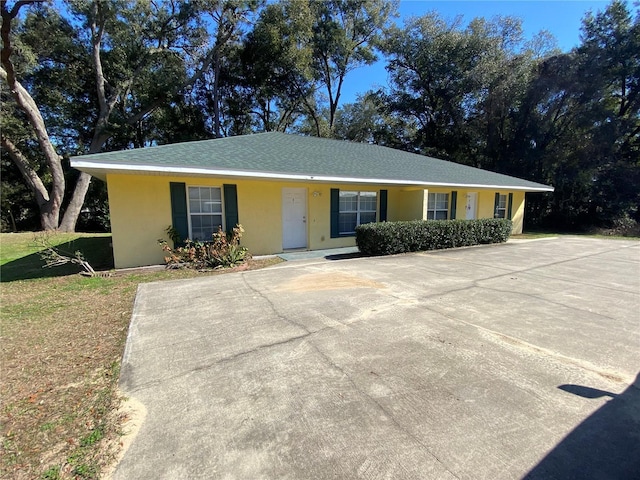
[273,307]
[546,300]
[230,358]
[530,270]
[362,393]
[220,361]
[308,334]
[524,345]
[476,284]
[382,409]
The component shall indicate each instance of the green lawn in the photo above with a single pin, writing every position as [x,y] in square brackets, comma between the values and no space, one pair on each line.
[62,337]
[19,259]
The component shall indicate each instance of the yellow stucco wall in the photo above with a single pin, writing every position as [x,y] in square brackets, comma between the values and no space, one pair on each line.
[517,212]
[140,208]
[406,204]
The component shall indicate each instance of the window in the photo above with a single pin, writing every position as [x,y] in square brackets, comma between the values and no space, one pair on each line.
[501,206]
[356,208]
[438,206]
[205,212]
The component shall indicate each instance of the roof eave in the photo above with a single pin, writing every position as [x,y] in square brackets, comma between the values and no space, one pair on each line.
[100,170]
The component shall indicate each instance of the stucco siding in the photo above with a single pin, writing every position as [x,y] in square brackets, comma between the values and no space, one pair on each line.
[140,210]
[517,212]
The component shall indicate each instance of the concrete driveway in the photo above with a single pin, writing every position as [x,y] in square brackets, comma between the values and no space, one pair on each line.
[492,362]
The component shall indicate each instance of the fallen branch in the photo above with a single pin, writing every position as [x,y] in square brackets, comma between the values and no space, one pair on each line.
[53,258]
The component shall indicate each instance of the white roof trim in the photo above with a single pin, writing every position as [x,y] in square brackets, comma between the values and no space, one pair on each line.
[79,164]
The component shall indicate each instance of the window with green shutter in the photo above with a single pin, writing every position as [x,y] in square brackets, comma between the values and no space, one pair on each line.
[351,208]
[205,212]
[198,211]
[179,211]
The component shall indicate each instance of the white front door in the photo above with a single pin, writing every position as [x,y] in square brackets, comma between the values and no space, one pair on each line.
[472,205]
[294,218]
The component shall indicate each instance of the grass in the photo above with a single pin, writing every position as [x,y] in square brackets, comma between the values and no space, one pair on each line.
[20,261]
[61,341]
[607,234]
[533,235]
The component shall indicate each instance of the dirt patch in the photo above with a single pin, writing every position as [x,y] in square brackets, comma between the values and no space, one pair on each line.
[132,412]
[328,281]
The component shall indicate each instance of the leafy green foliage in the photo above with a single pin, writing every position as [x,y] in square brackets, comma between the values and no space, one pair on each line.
[456,87]
[345,36]
[483,96]
[474,92]
[388,238]
[581,126]
[223,251]
[275,71]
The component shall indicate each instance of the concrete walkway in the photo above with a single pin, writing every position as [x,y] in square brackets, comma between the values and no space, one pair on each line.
[493,362]
[328,254]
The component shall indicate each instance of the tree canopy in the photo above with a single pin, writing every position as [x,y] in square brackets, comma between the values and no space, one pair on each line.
[117,74]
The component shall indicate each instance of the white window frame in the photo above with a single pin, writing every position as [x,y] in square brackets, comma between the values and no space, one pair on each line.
[501,209]
[358,209]
[431,206]
[189,213]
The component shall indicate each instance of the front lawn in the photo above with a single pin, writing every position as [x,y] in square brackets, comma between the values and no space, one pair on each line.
[61,341]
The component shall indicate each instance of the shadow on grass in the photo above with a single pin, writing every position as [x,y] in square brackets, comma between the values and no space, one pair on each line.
[605,446]
[96,250]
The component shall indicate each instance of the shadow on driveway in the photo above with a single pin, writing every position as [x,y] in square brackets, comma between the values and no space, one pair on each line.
[605,445]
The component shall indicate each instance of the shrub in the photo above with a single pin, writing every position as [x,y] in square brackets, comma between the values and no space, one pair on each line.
[624,226]
[223,251]
[388,238]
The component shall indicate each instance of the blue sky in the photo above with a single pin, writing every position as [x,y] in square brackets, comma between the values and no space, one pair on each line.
[562,18]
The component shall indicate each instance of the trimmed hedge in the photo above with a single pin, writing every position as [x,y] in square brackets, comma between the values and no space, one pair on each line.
[388,238]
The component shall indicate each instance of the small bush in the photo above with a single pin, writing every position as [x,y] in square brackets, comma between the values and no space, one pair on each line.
[223,251]
[388,238]
[623,227]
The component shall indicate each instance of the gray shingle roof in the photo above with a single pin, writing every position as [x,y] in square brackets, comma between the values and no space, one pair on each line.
[280,155]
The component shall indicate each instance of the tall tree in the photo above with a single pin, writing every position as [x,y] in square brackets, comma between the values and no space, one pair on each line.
[227,19]
[345,36]
[275,77]
[580,126]
[49,200]
[610,62]
[143,56]
[457,85]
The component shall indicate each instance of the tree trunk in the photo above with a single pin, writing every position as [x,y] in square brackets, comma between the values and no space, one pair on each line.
[74,208]
[216,95]
[49,202]
[13,220]
[49,217]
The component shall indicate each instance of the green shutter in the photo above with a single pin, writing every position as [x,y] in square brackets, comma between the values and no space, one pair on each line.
[179,219]
[454,204]
[230,206]
[335,212]
[510,206]
[496,204]
[383,205]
